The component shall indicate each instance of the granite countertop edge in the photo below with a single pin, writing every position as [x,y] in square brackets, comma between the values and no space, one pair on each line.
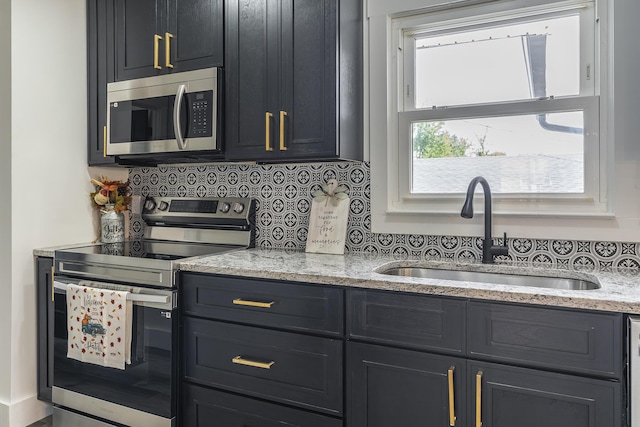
[619,291]
[50,251]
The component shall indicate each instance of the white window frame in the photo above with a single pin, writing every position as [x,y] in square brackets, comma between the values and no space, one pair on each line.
[394,208]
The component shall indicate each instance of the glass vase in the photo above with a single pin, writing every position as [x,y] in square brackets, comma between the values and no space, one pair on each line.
[111,225]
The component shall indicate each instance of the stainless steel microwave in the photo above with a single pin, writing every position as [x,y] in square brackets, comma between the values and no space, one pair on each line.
[164,114]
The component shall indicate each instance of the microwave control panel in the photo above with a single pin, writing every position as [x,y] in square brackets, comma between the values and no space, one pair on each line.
[200,114]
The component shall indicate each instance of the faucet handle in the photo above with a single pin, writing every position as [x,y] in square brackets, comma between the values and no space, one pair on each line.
[504,248]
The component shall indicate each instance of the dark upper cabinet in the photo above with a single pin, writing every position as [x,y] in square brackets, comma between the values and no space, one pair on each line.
[293,79]
[44,312]
[154,37]
[100,72]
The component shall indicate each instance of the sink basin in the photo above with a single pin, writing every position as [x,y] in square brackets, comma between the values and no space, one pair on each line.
[494,278]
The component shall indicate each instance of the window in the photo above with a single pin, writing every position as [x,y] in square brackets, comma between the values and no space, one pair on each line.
[509,90]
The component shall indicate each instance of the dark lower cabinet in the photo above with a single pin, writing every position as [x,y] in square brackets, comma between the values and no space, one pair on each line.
[394,387]
[261,353]
[389,386]
[44,317]
[250,358]
[504,396]
[204,407]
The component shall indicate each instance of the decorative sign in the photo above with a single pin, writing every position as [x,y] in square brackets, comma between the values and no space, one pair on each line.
[328,221]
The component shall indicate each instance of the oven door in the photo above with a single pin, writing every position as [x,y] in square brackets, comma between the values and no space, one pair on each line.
[144,393]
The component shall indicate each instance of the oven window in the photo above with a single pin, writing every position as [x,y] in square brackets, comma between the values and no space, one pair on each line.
[146,384]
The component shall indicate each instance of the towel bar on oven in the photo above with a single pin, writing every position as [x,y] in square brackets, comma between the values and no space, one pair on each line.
[162,299]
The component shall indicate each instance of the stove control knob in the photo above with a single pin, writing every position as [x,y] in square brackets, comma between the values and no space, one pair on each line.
[224,207]
[238,208]
[149,205]
[163,206]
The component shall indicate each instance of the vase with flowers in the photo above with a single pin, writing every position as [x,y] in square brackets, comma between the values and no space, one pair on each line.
[111,198]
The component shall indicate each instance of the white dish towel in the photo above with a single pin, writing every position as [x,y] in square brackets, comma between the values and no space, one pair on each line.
[99,325]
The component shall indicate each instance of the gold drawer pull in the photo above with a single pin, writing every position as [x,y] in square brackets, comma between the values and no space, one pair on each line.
[104,141]
[262,365]
[283,114]
[267,133]
[167,50]
[156,39]
[452,410]
[479,399]
[240,301]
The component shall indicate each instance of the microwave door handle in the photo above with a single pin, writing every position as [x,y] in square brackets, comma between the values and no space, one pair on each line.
[177,106]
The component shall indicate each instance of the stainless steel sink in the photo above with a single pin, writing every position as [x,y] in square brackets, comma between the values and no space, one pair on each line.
[494,278]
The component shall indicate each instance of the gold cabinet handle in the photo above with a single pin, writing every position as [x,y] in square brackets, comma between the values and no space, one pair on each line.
[104,141]
[52,284]
[167,50]
[156,40]
[283,114]
[240,301]
[479,399]
[452,409]
[262,365]
[267,137]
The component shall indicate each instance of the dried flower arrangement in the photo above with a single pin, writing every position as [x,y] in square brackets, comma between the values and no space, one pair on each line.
[115,193]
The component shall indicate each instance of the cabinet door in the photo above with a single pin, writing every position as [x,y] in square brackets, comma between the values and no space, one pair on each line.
[203,405]
[197,33]
[393,387]
[251,79]
[137,22]
[44,310]
[100,65]
[510,396]
[309,79]
[281,79]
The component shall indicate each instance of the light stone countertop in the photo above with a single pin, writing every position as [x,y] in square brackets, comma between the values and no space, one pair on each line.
[49,252]
[618,292]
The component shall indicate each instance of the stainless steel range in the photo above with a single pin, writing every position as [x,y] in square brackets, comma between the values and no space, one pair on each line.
[145,392]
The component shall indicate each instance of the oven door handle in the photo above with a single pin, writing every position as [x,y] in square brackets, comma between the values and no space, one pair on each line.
[158,299]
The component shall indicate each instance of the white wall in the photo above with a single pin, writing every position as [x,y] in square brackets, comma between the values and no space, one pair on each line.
[49,178]
[5,206]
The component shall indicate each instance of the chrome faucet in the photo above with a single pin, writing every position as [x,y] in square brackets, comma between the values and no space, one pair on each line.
[489,250]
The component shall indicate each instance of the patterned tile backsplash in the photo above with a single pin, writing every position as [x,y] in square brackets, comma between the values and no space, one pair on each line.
[283,194]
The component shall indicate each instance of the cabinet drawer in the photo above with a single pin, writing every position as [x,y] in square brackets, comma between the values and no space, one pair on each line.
[290,368]
[205,407]
[428,323]
[265,303]
[553,338]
